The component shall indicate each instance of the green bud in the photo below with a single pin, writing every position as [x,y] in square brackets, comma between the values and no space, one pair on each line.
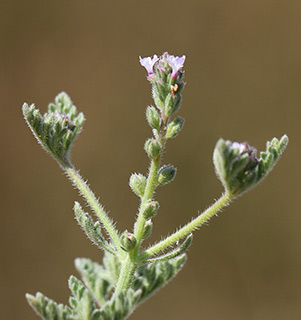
[157,96]
[174,128]
[148,227]
[153,117]
[150,209]
[166,174]
[138,183]
[128,241]
[152,148]
[168,103]
[172,104]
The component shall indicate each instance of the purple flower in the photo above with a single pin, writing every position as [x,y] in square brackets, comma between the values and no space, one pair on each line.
[148,64]
[245,148]
[240,146]
[176,63]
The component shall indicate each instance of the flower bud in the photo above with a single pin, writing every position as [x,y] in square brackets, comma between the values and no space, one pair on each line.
[128,241]
[148,227]
[153,117]
[150,209]
[174,128]
[172,103]
[152,148]
[234,164]
[138,183]
[166,174]
[238,167]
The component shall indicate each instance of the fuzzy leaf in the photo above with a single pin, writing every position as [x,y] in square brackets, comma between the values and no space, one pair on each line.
[269,158]
[120,306]
[182,248]
[82,301]
[99,280]
[151,277]
[48,309]
[111,263]
[91,228]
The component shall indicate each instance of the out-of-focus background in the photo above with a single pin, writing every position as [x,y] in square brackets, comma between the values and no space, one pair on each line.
[243,74]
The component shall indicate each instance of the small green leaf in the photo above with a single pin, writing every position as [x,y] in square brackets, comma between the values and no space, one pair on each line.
[91,228]
[48,309]
[111,263]
[120,306]
[150,278]
[82,302]
[182,248]
[99,280]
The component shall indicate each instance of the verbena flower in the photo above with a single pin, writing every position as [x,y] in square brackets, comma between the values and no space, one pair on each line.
[166,78]
[244,149]
[176,63]
[148,64]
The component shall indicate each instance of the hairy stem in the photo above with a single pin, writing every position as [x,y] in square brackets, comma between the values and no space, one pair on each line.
[87,193]
[148,195]
[188,228]
[128,268]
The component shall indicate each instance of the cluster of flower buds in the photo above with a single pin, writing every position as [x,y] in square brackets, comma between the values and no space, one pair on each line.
[57,128]
[238,167]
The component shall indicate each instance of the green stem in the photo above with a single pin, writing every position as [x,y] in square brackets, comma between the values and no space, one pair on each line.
[88,194]
[129,265]
[148,195]
[188,228]
[128,268]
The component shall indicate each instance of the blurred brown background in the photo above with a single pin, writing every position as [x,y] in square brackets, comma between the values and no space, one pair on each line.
[243,75]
